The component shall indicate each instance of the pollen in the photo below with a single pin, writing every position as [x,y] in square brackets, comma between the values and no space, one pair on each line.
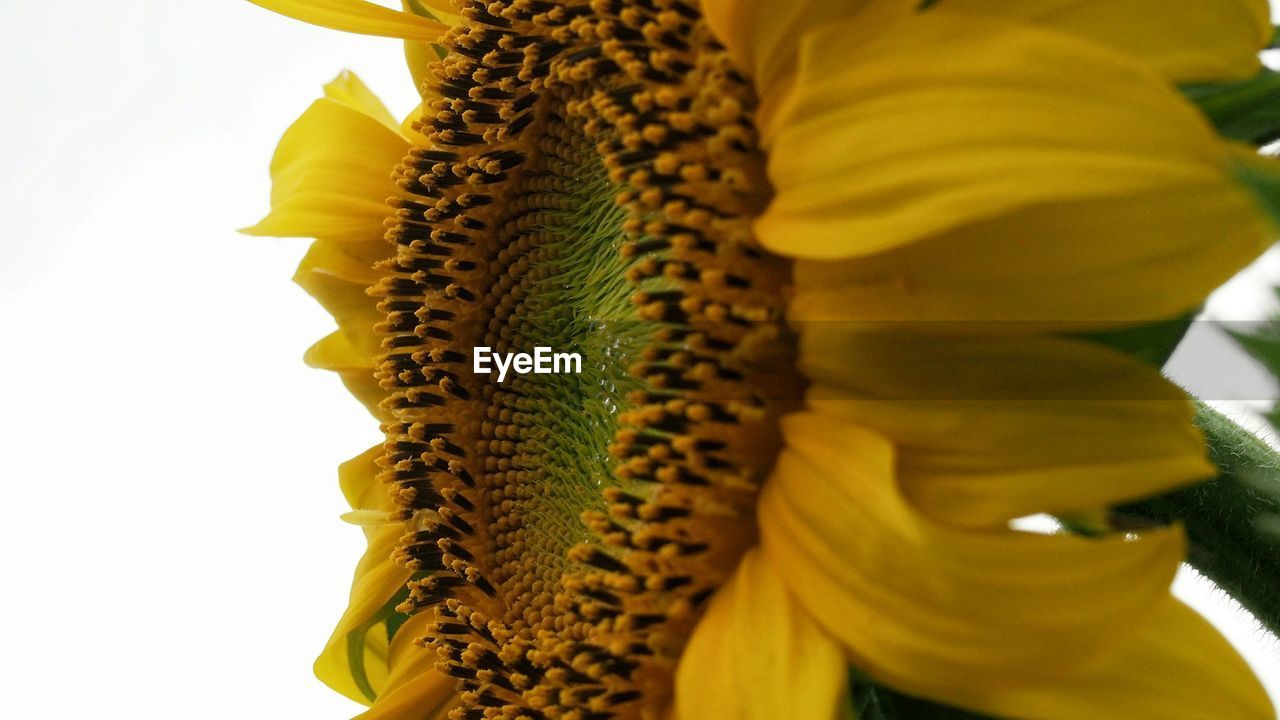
[588,181]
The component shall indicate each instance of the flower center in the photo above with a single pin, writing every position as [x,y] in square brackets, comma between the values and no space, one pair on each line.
[587,184]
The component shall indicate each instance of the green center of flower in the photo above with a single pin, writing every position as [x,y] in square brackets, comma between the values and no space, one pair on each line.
[565,289]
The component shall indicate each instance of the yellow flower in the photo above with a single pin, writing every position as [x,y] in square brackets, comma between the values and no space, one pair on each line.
[831,339]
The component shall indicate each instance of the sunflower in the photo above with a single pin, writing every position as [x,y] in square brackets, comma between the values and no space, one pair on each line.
[834,269]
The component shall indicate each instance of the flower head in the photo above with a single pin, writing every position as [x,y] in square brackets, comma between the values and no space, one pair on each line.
[826,264]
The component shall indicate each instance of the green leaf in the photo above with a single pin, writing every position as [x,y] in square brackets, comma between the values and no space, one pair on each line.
[865,696]
[356,640]
[1261,176]
[1248,110]
[1263,344]
[1153,343]
[872,701]
[395,618]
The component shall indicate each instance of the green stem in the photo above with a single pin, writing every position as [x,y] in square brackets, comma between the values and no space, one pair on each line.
[1233,521]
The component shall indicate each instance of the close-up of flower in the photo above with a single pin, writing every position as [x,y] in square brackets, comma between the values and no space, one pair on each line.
[856,287]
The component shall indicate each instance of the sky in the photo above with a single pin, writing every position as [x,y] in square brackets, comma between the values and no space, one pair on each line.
[171,543]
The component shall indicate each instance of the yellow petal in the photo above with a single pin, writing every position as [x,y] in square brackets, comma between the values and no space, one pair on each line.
[332,173]
[355,367]
[446,11]
[926,607]
[337,275]
[363,491]
[414,690]
[962,120]
[420,55]
[1177,667]
[335,352]
[756,655]
[367,518]
[338,279]
[1073,266]
[358,16]
[1186,40]
[351,91]
[763,36]
[355,659]
[993,429]
[418,116]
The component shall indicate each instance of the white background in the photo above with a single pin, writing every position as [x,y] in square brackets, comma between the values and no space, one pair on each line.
[169,536]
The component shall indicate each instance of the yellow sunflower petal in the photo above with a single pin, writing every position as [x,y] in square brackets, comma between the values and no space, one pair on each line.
[331,173]
[356,368]
[414,690]
[355,659]
[964,119]
[762,36]
[994,429]
[445,11]
[337,279]
[335,352]
[359,16]
[756,655]
[1177,667]
[416,116]
[1185,40]
[351,91]
[1048,266]
[420,55]
[926,607]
